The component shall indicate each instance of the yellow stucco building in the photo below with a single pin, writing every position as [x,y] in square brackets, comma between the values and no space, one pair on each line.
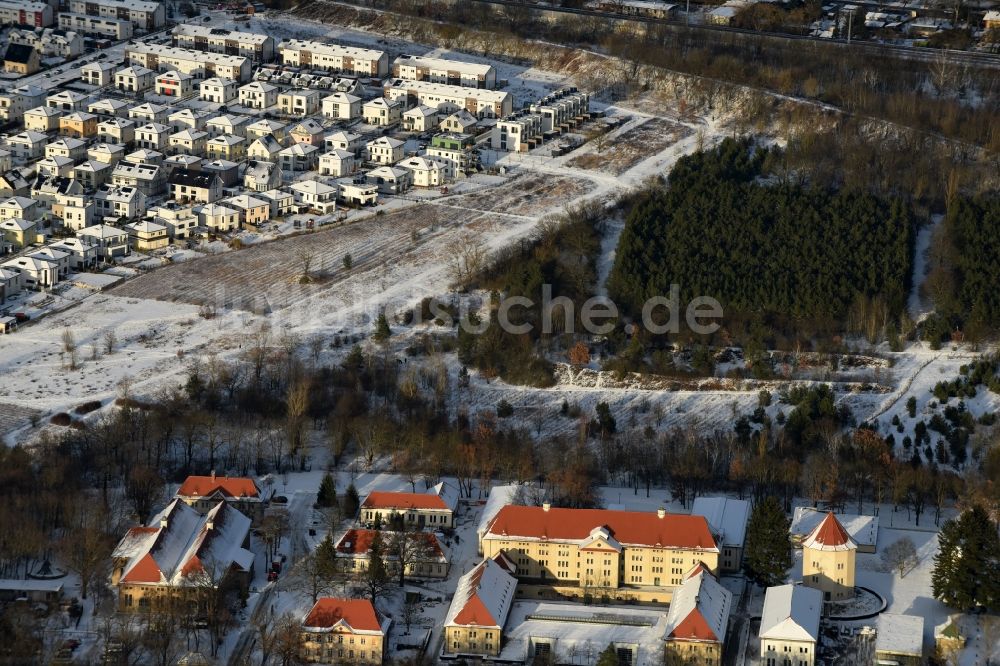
[343,631]
[828,554]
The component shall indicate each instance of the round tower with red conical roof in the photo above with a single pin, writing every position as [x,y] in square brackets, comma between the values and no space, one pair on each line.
[828,554]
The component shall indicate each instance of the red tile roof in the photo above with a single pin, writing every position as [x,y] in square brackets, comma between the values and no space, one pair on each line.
[145,570]
[390,500]
[205,486]
[829,533]
[358,614]
[626,527]
[694,627]
[359,541]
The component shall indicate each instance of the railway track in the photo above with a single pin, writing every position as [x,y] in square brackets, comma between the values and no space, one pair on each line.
[922,54]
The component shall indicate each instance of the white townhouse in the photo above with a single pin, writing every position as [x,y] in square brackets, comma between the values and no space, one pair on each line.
[258,95]
[334,58]
[299,102]
[382,112]
[109,153]
[135,79]
[336,163]
[119,202]
[218,91]
[426,171]
[341,106]
[110,241]
[99,73]
[440,70]
[385,150]
[254,45]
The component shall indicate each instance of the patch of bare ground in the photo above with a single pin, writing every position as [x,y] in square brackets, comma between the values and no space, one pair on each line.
[13,417]
[632,147]
[527,195]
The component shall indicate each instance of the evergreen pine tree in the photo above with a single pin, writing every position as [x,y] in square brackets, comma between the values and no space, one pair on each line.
[351,501]
[326,557]
[966,568]
[382,330]
[327,495]
[609,657]
[376,577]
[768,554]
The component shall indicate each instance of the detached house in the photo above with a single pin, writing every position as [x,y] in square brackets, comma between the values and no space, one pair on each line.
[349,141]
[27,146]
[343,631]
[228,124]
[341,106]
[382,112]
[108,108]
[336,163]
[698,619]
[258,95]
[390,179]
[298,157]
[426,171]
[81,255]
[116,130]
[203,493]
[789,625]
[98,74]
[23,208]
[265,148]
[195,186]
[18,234]
[147,235]
[42,119]
[187,119]
[152,113]
[308,132]
[135,79]
[252,211]
[148,179]
[76,210]
[174,84]
[79,124]
[316,195]
[219,91]
[190,142]
[36,273]
[21,59]
[74,149]
[385,150]
[92,173]
[427,555]
[54,167]
[153,136]
[420,119]
[265,127]
[302,102]
[479,609]
[261,176]
[183,553]
[434,508]
[119,202]
[66,100]
[226,147]
[219,218]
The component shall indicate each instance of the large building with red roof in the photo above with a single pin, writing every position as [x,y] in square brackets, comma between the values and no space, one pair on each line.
[828,559]
[600,554]
[424,556]
[182,553]
[343,631]
[432,509]
[205,492]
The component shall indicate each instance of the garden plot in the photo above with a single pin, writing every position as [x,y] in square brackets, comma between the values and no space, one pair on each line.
[15,417]
[629,149]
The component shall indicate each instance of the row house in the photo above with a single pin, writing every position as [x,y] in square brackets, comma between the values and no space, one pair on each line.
[341,106]
[96,26]
[256,46]
[199,64]
[258,95]
[111,242]
[42,119]
[79,124]
[117,131]
[114,202]
[174,84]
[301,102]
[146,178]
[195,186]
[562,110]
[218,90]
[440,70]
[621,555]
[135,79]
[334,58]
[38,14]
[183,554]
[481,103]
[143,14]
[517,133]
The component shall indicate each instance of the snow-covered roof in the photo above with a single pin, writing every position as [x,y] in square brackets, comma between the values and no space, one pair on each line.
[355,616]
[791,612]
[180,543]
[442,497]
[499,497]
[30,584]
[699,610]
[483,597]
[313,187]
[726,516]
[900,635]
[863,530]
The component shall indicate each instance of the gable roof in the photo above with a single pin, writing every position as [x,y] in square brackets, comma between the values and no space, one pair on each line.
[358,541]
[658,530]
[179,542]
[727,517]
[20,53]
[358,615]
[193,178]
[228,486]
[791,612]
[829,535]
[699,610]
[443,497]
[483,597]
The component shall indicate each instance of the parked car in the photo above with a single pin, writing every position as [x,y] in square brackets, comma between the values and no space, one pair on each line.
[279,499]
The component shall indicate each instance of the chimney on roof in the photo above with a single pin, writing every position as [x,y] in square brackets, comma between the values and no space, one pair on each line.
[661,512]
[163,523]
[213,475]
[546,506]
[209,524]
